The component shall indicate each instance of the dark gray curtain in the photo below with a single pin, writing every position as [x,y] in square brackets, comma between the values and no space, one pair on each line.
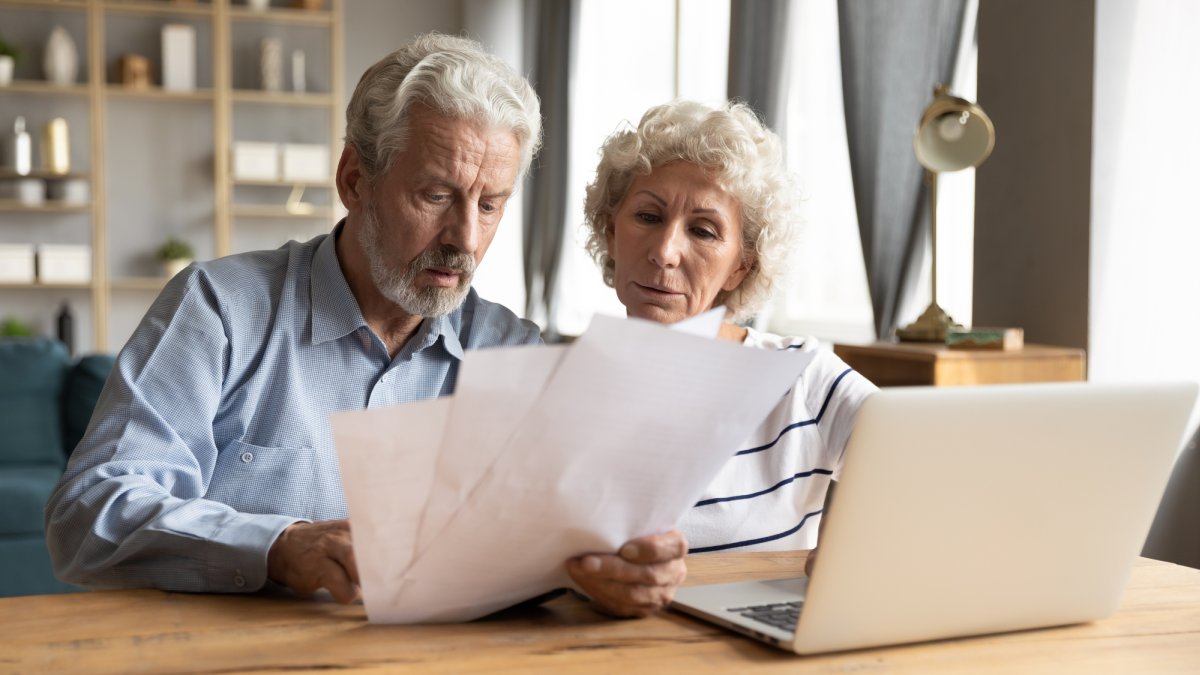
[758,47]
[554,25]
[893,53]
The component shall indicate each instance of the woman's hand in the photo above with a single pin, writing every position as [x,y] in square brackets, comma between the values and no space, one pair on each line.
[640,580]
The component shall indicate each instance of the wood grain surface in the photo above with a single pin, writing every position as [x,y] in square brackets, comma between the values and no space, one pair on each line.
[144,631]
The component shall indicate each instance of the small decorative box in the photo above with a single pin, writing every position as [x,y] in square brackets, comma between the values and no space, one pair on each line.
[64,263]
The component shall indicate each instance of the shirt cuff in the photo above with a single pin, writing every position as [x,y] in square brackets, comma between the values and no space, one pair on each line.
[238,560]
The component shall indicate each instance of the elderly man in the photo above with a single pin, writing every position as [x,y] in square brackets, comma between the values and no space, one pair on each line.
[209,464]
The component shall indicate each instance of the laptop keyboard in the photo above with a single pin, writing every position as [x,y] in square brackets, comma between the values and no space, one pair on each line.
[779,614]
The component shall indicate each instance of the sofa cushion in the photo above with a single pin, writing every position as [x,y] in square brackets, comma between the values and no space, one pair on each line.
[80,391]
[24,490]
[30,386]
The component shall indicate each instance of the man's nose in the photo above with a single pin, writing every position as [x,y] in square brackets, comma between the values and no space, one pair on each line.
[667,247]
[461,229]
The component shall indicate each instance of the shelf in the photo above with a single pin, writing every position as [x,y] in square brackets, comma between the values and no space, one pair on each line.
[227,32]
[44,87]
[279,212]
[46,4]
[282,98]
[47,207]
[306,184]
[139,283]
[307,17]
[118,91]
[43,175]
[159,8]
[59,286]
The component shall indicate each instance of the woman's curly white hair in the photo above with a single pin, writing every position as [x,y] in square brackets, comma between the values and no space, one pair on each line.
[745,159]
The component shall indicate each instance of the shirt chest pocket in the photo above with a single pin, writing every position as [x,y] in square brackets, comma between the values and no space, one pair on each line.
[257,479]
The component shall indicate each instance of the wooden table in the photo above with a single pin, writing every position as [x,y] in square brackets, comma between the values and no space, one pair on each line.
[890,364]
[1156,630]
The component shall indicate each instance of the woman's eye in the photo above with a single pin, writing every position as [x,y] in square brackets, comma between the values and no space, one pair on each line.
[647,217]
[704,233]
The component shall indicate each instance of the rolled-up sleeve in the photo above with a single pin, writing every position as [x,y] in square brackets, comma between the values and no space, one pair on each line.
[130,510]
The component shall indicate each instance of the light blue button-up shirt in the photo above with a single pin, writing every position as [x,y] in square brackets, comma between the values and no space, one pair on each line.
[212,433]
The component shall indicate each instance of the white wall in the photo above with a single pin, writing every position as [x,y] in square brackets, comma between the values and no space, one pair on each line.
[373,28]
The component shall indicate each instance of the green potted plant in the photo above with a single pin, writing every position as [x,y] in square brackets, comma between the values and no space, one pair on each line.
[175,255]
[9,55]
[11,326]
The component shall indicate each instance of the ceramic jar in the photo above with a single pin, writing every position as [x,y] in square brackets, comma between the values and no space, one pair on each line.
[61,61]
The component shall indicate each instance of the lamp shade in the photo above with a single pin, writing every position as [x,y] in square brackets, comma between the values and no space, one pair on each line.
[953,134]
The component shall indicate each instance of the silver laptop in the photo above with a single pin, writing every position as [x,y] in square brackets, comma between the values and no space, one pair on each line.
[966,511]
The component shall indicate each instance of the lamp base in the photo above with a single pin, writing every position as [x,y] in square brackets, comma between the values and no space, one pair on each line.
[931,326]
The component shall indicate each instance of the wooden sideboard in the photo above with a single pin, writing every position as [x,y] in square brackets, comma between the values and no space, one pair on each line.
[890,364]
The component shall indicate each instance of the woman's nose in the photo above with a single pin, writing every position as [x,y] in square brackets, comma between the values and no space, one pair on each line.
[667,248]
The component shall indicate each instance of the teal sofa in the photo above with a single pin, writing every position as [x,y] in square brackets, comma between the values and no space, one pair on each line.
[46,400]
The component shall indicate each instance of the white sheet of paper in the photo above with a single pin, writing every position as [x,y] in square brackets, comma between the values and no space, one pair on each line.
[493,394]
[628,430]
[388,457]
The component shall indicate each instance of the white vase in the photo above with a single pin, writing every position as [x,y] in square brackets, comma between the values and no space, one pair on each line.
[6,70]
[61,61]
[175,266]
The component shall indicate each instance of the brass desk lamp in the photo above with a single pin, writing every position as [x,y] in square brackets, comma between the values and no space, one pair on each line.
[953,134]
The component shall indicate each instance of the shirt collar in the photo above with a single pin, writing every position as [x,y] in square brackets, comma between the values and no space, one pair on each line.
[335,311]
[431,329]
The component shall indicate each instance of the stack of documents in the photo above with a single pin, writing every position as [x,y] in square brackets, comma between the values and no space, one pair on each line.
[464,505]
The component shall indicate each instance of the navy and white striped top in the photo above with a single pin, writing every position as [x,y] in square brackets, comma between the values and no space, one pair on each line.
[770,494]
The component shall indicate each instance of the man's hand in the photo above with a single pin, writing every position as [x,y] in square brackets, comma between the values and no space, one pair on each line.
[309,556]
[640,580]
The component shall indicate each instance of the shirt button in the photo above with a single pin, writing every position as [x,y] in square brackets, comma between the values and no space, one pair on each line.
[247,457]
[239,581]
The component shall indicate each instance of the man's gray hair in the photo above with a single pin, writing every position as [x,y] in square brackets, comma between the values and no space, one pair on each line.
[744,157]
[453,76]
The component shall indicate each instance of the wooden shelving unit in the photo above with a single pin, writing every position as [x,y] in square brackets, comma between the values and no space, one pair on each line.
[222,62]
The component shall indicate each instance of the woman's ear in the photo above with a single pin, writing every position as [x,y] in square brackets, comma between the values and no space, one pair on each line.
[351,180]
[737,276]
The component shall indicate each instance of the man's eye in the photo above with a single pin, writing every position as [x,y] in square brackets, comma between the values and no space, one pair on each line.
[438,197]
[489,207]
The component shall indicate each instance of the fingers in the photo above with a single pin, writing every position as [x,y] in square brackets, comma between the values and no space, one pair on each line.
[628,600]
[613,568]
[620,586]
[310,556]
[655,548]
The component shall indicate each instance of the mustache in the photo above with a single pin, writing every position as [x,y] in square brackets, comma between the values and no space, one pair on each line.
[445,256]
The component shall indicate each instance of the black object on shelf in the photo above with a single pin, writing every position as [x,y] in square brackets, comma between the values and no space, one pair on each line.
[66,328]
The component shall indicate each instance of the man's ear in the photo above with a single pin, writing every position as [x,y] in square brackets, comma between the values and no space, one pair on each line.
[352,181]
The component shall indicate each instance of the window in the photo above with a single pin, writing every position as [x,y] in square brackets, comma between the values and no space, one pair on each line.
[827,295]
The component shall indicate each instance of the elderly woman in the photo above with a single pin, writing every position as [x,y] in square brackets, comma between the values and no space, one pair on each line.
[691,211]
